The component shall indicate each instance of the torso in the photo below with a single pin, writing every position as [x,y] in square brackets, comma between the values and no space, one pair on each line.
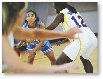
[71,20]
[36,27]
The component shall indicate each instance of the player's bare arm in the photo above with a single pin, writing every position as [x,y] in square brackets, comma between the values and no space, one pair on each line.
[55,23]
[42,26]
[62,42]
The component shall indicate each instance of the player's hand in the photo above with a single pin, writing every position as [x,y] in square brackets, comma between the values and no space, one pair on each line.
[72,31]
[58,43]
[63,68]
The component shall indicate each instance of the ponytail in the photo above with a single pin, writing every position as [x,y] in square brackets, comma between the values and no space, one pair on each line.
[5,17]
[64,5]
[72,9]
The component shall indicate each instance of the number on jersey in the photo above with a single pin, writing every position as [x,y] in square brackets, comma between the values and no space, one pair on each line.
[79,24]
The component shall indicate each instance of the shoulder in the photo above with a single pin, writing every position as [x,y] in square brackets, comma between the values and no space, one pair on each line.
[59,18]
[39,22]
[64,10]
[42,25]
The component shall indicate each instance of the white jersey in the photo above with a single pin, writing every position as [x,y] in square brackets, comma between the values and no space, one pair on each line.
[87,41]
[72,20]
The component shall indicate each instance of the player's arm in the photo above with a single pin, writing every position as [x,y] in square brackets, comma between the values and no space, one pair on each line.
[33,51]
[59,18]
[38,46]
[42,26]
[14,62]
[22,34]
[62,42]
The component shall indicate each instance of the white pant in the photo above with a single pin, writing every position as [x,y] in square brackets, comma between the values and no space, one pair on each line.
[83,46]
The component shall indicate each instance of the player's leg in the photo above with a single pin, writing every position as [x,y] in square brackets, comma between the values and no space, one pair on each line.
[69,53]
[85,59]
[48,51]
[87,65]
[63,58]
[31,56]
[51,57]
[89,44]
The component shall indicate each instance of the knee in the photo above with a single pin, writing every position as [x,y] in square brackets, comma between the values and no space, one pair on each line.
[84,61]
[52,59]
[30,59]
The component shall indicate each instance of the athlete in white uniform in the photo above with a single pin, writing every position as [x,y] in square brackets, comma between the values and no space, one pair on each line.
[84,46]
